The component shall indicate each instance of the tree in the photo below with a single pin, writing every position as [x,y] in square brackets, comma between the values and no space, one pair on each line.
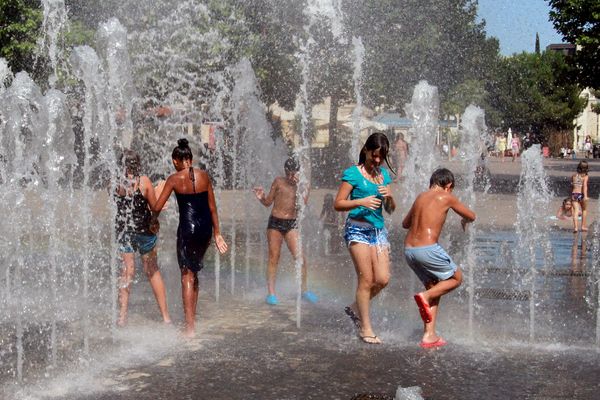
[531,93]
[410,40]
[20,22]
[537,43]
[278,26]
[579,23]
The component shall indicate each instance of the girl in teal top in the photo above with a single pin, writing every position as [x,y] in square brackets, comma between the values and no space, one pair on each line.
[363,187]
[363,193]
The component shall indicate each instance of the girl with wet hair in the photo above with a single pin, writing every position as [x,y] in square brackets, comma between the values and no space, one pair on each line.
[136,232]
[198,221]
[579,195]
[364,192]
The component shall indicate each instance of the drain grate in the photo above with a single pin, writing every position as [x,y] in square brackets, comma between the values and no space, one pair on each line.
[567,272]
[502,294]
[553,272]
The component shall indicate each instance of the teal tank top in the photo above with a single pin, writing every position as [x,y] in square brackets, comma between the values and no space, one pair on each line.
[362,187]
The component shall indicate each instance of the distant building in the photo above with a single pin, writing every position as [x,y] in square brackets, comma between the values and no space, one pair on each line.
[566,48]
[586,123]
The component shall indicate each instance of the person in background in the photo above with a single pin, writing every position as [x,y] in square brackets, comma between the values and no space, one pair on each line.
[579,195]
[283,225]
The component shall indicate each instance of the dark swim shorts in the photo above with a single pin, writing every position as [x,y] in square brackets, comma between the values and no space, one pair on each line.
[140,242]
[577,197]
[282,225]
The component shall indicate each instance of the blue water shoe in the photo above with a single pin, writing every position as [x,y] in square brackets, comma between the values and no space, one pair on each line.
[310,297]
[272,300]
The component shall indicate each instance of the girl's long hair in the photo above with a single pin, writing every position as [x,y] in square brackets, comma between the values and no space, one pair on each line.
[375,141]
[130,161]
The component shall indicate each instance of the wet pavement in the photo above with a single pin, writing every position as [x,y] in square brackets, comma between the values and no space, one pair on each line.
[248,350]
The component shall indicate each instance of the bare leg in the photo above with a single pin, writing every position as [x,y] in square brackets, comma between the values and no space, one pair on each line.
[156,282]
[576,215]
[584,215]
[432,296]
[124,285]
[291,239]
[189,294]
[274,239]
[372,270]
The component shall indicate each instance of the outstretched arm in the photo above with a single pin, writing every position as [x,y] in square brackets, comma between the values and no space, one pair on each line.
[212,205]
[462,210]
[164,195]
[260,194]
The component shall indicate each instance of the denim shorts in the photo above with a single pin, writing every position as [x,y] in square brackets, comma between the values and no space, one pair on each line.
[430,263]
[140,242]
[363,232]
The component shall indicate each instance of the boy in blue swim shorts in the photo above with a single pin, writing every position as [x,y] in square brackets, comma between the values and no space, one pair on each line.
[425,256]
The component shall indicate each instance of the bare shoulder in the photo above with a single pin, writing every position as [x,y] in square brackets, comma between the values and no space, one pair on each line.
[145,181]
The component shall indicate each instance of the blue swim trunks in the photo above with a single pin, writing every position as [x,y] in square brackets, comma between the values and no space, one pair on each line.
[430,263]
[140,242]
[364,232]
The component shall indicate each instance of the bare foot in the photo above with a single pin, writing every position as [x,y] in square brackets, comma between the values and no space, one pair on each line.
[369,337]
[430,338]
[121,322]
[583,229]
[189,333]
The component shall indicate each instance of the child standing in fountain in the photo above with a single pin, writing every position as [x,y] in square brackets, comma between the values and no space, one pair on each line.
[425,256]
[579,195]
[136,232]
[283,225]
[198,221]
[364,192]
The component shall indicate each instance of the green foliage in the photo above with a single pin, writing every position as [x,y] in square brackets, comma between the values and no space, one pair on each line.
[471,91]
[579,23]
[531,93]
[20,22]
[278,28]
[410,40]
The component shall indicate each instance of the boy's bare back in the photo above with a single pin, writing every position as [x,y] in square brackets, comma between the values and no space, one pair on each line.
[428,214]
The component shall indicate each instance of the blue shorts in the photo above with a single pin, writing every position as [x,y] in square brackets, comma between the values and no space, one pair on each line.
[363,232]
[430,263]
[140,242]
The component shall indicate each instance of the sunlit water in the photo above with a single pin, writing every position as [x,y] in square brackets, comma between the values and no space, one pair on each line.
[58,260]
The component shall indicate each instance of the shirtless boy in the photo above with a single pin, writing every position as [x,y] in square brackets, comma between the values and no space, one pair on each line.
[283,226]
[425,256]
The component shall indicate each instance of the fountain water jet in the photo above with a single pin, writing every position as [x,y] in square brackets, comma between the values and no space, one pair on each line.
[533,201]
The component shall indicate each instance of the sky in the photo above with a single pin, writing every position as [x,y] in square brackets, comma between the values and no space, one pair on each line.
[515,23]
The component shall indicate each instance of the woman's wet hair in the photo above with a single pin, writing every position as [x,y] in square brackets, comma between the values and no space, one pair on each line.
[182,151]
[441,177]
[582,167]
[375,141]
[130,161]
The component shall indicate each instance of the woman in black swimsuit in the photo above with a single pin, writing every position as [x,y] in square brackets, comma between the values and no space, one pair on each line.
[137,233]
[198,220]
